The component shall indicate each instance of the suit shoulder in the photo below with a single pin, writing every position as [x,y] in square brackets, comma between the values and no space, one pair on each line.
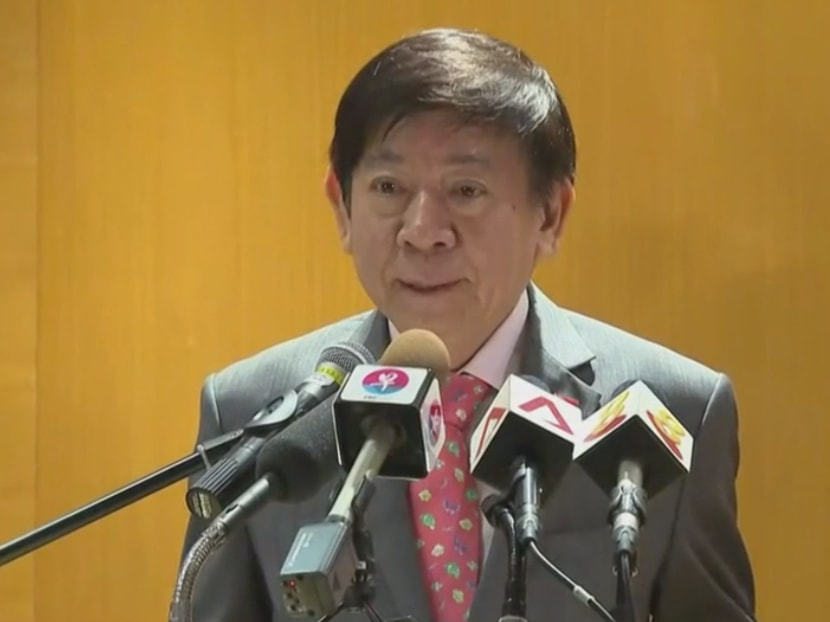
[246,385]
[676,374]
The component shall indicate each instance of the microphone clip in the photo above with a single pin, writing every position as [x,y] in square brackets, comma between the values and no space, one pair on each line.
[626,515]
[525,496]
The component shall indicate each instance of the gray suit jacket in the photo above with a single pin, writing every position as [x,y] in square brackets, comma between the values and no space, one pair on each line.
[693,565]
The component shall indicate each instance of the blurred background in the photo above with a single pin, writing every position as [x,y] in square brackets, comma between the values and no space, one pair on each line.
[162,214]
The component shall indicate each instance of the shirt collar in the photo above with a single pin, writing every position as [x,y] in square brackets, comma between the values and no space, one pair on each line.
[491,362]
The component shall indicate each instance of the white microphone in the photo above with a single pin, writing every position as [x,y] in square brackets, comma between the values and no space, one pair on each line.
[402,398]
[522,447]
[633,447]
[528,432]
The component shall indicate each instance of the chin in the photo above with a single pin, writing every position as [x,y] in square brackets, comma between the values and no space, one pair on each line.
[437,322]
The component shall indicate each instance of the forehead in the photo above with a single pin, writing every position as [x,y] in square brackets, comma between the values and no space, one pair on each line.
[440,136]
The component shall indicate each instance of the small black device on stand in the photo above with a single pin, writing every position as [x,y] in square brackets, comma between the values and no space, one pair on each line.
[361,591]
[330,569]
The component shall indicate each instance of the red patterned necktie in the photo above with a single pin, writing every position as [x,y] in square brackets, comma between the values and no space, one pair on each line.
[444,508]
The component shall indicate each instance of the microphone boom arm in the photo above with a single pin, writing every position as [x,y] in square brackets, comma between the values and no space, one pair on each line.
[118,499]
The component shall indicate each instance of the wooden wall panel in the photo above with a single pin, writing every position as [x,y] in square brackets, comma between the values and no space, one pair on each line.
[18,295]
[182,225]
[703,200]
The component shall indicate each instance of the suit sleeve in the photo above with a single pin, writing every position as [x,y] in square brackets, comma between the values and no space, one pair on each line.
[230,587]
[707,573]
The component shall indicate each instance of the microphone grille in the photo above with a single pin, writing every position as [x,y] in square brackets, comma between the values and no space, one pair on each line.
[346,355]
[419,348]
[302,457]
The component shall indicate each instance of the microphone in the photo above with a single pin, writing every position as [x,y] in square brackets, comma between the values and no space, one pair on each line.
[632,448]
[525,440]
[522,447]
[404,389]
[387,423]
[300,460]
[227,478]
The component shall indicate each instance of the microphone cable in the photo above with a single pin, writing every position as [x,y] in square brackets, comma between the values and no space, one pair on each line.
[579,592]
[625,599]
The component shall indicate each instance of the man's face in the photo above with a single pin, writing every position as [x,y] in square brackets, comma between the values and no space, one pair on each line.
[443,228]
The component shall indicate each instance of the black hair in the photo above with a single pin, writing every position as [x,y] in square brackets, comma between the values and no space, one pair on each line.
[481,78]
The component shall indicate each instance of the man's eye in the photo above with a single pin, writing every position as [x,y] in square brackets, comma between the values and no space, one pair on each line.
[468,191]
[385,186]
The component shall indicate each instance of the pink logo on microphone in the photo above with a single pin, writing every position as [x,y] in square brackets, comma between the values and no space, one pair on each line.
[385,381]
[436,418]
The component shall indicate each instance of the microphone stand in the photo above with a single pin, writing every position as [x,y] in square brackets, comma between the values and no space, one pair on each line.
[523,500]
[210,540]
[331,567]
[514,607]
[627,512]
[360,593]
[118,499]
[624,611]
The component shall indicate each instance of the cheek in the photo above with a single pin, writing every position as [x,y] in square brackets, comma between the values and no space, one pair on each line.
[373,244]
[501,252]
[373,234]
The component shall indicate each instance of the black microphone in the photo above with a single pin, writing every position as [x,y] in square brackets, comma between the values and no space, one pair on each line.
[523,445]
[227,478]
[388,422]
[292,466]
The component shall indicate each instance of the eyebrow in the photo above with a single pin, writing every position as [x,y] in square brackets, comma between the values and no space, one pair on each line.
[384,155]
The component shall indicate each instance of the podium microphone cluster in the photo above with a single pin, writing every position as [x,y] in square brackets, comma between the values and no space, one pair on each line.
[387,423]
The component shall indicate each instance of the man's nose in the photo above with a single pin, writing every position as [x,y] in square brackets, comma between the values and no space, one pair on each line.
[427,225]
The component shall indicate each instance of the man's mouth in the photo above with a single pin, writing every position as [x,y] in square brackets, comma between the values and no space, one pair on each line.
[428,288]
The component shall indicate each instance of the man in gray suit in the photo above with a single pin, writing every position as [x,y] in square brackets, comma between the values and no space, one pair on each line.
[452,173]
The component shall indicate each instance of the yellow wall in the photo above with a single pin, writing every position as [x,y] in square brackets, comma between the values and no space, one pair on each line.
[18,296]
[161,214]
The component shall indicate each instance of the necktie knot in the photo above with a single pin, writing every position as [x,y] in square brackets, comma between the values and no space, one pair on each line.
[461,396]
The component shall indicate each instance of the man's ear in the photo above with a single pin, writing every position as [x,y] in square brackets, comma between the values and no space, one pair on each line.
[556,210]
[334,194]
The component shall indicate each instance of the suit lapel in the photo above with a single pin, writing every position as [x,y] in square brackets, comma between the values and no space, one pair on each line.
[552,351]
[372,332]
